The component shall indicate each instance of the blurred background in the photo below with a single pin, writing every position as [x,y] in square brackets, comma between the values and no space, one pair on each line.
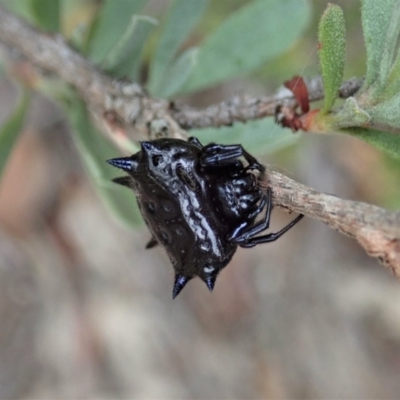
[86,311]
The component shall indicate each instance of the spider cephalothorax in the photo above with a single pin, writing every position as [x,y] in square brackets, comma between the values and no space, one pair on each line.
[199,202]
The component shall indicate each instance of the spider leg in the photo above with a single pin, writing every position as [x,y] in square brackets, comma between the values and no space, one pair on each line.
[271,237]
[219,155]
[238,231]
[253,163]
[245,232]
[195,141]
[259,208]
[223,155]
[244,236]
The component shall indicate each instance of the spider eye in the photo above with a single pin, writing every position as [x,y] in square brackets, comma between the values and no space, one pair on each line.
[157,160]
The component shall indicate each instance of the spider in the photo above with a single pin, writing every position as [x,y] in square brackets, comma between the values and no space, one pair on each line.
[200,203]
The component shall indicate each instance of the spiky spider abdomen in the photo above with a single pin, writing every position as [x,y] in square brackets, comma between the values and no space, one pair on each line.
[199,202]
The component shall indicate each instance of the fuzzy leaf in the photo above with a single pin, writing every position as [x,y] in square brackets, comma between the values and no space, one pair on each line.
[350,115]
[392,36]
[178,73]
[393,77]
[46,14]
[393,81]
[384,141]
[124,58]
[182,17]
[11,129]
[95,150]
[377,17]
[256,33]
[332,49]
[386,114]
[113,20]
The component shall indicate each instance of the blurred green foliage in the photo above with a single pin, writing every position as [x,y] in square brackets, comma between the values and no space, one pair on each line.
[10,130]
[47,14]
[181,18]
[95,149]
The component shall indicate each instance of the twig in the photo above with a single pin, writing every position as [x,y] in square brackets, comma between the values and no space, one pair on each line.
[127,105]
[242,108]
[377,230]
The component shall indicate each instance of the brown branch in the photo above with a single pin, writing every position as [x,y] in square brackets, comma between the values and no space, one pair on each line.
[242,108]
[127,106]
[377,230]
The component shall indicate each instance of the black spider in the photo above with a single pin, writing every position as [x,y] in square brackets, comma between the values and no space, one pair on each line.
[199,202]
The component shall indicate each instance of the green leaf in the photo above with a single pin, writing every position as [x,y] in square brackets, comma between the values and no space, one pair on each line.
[350,115]
[386,114]
[392,82]
[124,58]
[78,37]
[95,150]
[114,18]
[256,33]
[332,52]
[384,141]
[261,136]
[182,17]
[22,8]
[391,42]
[380,20]
[178,73]
[47,14]
[12,127]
